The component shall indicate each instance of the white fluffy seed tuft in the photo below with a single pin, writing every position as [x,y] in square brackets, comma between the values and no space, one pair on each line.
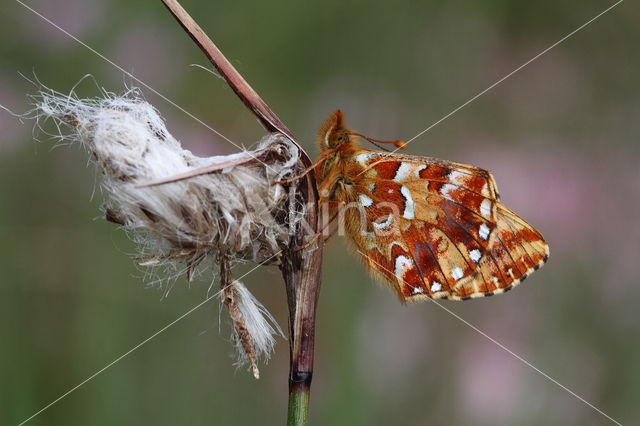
[238,210]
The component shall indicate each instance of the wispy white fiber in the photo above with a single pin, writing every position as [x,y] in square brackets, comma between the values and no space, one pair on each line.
[260,324]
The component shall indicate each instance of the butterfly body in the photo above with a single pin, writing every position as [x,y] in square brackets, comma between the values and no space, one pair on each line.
[429,228]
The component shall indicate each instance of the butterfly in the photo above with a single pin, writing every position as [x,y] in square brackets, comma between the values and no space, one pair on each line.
[429,228]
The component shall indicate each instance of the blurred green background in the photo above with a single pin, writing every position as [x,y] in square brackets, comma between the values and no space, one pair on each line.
[561,138]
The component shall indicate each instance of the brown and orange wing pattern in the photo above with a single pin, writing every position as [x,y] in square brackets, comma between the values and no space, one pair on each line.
[436,229]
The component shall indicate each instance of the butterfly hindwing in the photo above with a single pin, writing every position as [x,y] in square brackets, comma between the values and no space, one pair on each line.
[436,229]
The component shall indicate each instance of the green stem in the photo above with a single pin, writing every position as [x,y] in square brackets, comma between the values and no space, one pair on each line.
[298,406]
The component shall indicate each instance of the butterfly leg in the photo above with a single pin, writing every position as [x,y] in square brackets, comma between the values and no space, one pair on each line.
[320,159]
[324,227]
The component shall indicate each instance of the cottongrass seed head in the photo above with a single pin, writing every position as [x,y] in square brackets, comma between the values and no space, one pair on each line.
[235,212]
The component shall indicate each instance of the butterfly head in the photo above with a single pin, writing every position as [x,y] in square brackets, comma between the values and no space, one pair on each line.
[333,133]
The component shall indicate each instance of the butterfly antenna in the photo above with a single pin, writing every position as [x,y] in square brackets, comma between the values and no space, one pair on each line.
[397,143]
[381,147]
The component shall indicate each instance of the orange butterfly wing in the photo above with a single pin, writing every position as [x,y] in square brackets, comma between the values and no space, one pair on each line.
[436,229]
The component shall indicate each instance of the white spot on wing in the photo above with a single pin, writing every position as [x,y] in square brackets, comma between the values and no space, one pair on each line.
[418,290]
[456,177]
[475,255]
[484,231]
[403,172]
[364,158]
[435,287]
[372,187]
[365,200]
[447,189]
[485,208]
[408,203]
[384,224]
[403,264]
[457,273]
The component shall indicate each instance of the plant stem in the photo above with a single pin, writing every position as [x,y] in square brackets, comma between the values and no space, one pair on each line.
[301,269]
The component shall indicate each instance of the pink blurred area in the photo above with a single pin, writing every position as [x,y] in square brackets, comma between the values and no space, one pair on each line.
[491,386]
[149,53]
[80,18]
